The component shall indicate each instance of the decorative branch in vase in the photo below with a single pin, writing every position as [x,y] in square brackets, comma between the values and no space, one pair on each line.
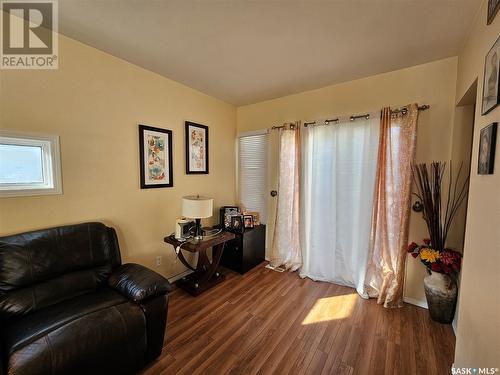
[442,264]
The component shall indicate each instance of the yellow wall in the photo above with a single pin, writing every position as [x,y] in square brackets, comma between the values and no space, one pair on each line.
[478,331]
[95,102]
[433,83]
[461,144]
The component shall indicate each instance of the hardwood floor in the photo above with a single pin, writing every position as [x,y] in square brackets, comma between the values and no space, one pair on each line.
[267,322]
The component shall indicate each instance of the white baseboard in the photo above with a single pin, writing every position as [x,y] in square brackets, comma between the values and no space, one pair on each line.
[173,279]
[416,302]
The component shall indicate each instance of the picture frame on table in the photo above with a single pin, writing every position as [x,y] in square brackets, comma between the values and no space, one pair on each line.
[487,145]
[197,161]
[226,212]
[155,155]
[491,80]
[237,223]
[248,221]
[256,217]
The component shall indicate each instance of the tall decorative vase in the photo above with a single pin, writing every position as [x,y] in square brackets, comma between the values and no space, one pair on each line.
[441,293]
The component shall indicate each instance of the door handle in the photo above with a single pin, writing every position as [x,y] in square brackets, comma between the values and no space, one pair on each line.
[274,193]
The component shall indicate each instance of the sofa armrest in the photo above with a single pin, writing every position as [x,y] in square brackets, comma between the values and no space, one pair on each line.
[137,282]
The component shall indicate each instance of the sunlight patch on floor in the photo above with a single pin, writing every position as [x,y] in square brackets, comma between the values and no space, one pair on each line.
[331,308]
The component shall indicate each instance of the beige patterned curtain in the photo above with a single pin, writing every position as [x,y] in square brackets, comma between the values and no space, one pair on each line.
[285,247]
[391,207]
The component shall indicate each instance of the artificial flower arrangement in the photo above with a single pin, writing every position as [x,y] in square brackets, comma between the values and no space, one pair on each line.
[439,211]
[444,261]
[438,214]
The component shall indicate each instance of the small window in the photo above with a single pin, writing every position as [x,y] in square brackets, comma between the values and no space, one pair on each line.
[29,165]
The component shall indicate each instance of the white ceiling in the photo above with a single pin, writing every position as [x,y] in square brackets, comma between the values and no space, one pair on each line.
[248,51]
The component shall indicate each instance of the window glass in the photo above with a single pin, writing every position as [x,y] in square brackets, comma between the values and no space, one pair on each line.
[20,164]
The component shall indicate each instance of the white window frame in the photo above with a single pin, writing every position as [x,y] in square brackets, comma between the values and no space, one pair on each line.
[51,164]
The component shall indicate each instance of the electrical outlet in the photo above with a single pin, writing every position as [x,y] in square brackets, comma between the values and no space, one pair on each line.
[158,260]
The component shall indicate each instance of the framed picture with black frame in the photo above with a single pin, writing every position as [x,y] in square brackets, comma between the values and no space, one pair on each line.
[248,221]
[226,212]
[491,81]
[237,223]
[155,154]
[487,145]
[493,6]
[196,148]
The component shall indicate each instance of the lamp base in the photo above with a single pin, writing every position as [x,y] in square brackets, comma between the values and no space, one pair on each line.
[197,231]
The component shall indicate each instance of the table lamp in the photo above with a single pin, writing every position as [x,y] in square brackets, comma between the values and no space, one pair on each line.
[196,207]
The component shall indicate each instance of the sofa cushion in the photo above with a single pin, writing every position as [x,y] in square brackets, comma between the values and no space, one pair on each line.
[36,256]
[110,340]
[44,267]
[37,296]
[23,331]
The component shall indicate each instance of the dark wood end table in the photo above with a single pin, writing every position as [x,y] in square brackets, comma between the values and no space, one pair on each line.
[205,275]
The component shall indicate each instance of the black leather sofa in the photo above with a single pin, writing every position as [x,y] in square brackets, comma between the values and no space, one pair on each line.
[68,305]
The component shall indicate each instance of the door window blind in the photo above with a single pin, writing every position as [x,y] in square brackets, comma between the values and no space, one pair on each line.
[252,156]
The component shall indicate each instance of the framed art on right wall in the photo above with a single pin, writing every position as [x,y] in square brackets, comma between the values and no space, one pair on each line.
[487,144]
[491,80]
[493,6]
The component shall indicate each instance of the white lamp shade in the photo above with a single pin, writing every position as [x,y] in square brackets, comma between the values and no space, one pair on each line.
[196,207]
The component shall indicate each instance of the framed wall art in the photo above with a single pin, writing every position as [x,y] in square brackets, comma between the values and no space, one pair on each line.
[487,144]
[196,148]
[491,82]
[493,6]
[155,154]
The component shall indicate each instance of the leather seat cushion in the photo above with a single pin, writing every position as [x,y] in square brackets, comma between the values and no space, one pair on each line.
[22,331]
[74,344]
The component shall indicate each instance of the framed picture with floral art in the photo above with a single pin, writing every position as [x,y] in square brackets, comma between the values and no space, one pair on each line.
[155,154]
[196,148]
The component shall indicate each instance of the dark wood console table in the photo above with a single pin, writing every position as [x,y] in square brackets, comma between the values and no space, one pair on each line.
[205,274]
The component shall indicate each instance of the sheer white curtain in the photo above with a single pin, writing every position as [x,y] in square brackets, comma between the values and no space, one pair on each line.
[338,176]
[285,244]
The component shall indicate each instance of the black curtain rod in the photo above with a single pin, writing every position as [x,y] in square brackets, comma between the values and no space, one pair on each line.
[366,116]
[402,110]
[291,125]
